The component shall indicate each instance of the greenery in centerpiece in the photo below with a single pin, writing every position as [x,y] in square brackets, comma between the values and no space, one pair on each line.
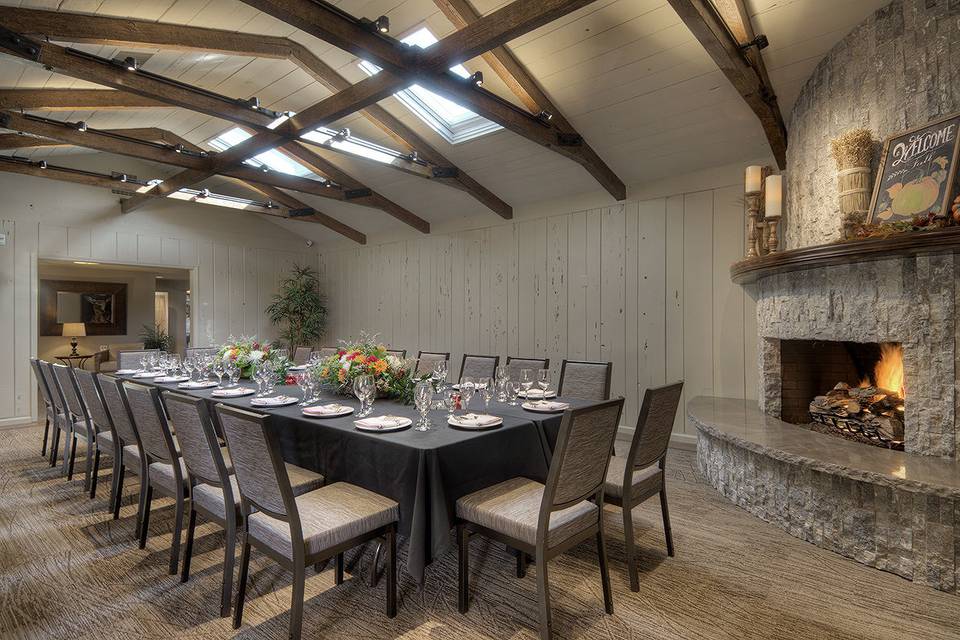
[298,308]
[248,352]
[394,376]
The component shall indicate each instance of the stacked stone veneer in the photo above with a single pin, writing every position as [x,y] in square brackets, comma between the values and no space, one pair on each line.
[899,69]
[912,300]
[875,521]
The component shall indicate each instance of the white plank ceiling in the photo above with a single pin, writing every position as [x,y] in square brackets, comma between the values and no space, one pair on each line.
[627,73]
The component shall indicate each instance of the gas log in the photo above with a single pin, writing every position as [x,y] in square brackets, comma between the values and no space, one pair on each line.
[867,412]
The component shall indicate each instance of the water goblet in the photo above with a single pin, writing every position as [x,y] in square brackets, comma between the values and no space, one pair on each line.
[526,381]
[233,371]
[369,392]
[450,398]
[302,378]
[423,396]
[485,385]
[188,367]
[440,372]
[143,362]
[543,381]
[174,359]
[467,389]
[218,370]
[359,390]
[513,392]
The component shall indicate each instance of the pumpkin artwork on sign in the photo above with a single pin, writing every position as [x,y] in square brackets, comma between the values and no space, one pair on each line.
[917,173]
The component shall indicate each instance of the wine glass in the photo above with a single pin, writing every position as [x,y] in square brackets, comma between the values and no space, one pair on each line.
[543,381]
[369,392]
[188,367]
[302,378]
[269,376]
[217,368]
[450,398]
[439,374]
[467,388]
[174,359]
[233,371]
[143,362]
[526,381]
[513,392]
[364,388]
[423,396]
[485,385]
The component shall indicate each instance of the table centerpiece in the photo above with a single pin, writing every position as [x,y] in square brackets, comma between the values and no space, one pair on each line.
[248,352]
[394,377]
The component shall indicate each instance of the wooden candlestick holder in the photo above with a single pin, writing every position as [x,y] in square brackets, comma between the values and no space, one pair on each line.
[753,222]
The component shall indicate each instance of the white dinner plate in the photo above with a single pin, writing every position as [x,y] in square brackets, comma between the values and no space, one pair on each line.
[275,401]
[233,392]
[536,394]
[318,412]
[126,372]
[459,423]
[545,407]
[147,374]
[171,379]
[206,384]
[396,424]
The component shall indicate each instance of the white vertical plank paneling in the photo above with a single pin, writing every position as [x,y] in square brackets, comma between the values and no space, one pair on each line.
[557,242]
[577,286]
[24,313]
[253,308]
[236,277]
[8,321]
[79,242]
[728,347]
[53,241]
[126,247]
[170,251]
[501,250]
[697,294]
[652,295]
[674,315]
[526,285]
[472,275]
[103,244]
[203,296]
[149,249]
[613,294]
[221,296]
[408,336]
[457,303]
[631,355]
[539,276]
[592,347]
[513,292]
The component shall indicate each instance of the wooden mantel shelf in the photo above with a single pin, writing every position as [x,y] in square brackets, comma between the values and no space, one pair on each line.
[822,255]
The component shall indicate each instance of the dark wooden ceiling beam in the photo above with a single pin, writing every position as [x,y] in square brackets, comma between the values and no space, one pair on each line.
[74,100]
[744,71]
[429,67]
[125,32]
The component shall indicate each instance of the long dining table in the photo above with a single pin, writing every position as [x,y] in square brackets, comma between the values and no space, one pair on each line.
[425,472]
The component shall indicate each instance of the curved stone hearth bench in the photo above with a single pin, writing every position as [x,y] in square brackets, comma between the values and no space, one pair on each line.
[895,511]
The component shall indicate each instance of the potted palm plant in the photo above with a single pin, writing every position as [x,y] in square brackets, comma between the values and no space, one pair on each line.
[298,308]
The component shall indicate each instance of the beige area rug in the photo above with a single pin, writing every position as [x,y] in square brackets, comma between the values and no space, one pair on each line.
[67,570]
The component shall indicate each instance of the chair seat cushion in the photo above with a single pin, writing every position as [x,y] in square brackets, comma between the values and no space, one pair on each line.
[329,516]
[131,458]
[79,427]
[512,508]
[646,482]
[161,473]
[105,441]
[210,497]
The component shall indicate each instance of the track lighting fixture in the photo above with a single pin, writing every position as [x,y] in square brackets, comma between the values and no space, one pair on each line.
[204,193]
[42,164]
[546,116]
[131,63]
[383,24]
[341,136]
[477,79]
[178,148]
[81,126]
[254,103]
[760,42]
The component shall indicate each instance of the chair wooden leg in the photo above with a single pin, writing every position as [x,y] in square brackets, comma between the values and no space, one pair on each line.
[147,498]
[141,503]
[521,564]
[604,573]
[543,595]
[116,492]
[46,434]
[177,533]
[241,583]
[93,474]
[229,552]
[296,603]
[188,547]
[54,444]
[668,533]
[377,554]
[391,571]
[630,548]
[463,568]
[88,467]
[72,441]
[338,570]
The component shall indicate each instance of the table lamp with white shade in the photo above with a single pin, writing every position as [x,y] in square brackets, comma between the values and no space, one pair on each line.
[74,330]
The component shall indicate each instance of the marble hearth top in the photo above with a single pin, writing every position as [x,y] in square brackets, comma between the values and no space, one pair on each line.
[741,423]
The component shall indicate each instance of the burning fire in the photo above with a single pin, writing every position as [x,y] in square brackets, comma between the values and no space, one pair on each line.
[888,372]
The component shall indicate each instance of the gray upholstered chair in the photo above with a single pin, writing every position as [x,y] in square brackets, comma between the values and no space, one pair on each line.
[104,438]
[81,427]
[516,365]
[300,531]
[642,470]
[399,353]
[131,359]
[585,380]
[548,519]
[478,367]
[165,469]
[212,484]
[61,419]
[326,352]
[49,410]
[427,360]
[301,355]
[126,439]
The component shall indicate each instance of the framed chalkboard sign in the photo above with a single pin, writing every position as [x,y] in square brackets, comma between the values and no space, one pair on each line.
[917,173]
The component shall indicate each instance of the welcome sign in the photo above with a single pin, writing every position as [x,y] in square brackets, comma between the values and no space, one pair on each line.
[917,173]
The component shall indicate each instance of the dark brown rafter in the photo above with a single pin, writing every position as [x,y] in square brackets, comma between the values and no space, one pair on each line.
[124,31]
[428,68]
[720,36]
[73,100]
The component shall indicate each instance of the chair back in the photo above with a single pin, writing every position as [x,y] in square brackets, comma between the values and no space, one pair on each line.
[56,394]
[301,355]
[654,426]
[116,403]
[131,359]
[261,474]
[68,387]
[93,399]
[326,352]
[478,366]
[150,423]
[399,353]
[37,364]
[585,380]
[516,365]
[197,437]
[427,360]
[580,460]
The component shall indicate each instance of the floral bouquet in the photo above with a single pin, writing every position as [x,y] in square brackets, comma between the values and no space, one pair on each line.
[393,376]
[248,352]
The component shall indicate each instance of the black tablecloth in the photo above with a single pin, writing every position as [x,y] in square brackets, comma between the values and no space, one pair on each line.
[425,472]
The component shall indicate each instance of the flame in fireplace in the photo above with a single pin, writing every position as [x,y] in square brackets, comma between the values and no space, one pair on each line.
[888,372]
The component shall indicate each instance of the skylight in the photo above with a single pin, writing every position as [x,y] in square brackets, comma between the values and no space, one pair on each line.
[271,159]
[453,122]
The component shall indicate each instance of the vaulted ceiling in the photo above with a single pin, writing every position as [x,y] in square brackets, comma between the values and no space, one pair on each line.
[629,76]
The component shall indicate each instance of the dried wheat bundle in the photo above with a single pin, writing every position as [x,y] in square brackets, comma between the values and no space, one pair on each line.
[853,152]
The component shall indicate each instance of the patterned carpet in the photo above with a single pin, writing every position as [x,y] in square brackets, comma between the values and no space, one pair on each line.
[67,570]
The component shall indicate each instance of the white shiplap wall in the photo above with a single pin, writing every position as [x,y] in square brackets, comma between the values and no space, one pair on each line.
[643,284]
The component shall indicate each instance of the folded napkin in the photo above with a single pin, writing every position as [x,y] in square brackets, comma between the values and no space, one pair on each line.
[126,372]
[275,400]
[381,422]
[539,393]
[550,405]
[477,420]
[234,391]
[326,410]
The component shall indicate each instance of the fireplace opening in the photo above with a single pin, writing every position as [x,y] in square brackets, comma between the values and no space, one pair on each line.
[850,389]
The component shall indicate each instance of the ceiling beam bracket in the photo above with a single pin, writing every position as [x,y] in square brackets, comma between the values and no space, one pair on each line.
[352,194]
[565,139]
[446,172]
[301,212]
[22,45]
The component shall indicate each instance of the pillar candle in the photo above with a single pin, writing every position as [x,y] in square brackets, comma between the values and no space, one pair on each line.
[753,178]
[773,205]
